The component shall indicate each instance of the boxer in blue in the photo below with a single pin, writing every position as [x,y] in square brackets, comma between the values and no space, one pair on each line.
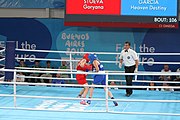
[98,79]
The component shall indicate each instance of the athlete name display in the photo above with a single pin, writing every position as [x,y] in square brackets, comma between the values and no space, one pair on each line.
[122,13]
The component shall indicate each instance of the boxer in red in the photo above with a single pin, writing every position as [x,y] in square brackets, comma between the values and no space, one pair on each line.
[83,66]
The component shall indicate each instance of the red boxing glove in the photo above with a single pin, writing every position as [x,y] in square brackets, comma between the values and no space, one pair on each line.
[88,67]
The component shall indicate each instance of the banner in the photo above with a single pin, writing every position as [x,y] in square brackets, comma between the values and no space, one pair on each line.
[150,7]
[99,7]
[51,34]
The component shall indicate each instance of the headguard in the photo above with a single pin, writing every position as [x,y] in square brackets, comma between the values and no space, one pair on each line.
[86,56]
[92,57]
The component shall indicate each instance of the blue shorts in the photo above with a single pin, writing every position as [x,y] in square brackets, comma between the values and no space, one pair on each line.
[99,80]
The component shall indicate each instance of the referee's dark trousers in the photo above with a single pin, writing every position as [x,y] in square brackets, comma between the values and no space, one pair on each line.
[129,69]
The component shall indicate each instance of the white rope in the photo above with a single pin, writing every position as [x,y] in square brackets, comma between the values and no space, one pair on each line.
[93,99]
[110,62]
[55,110]
[143,100]
[145,81]
[65,52]
[49,69]
[159,54]
[123,86]
[2,56]
[2,78]
[52,69]
[59,60]
[43,59]
[2,50]
[48,84]
[107,53]
[1,73]
[2,59]
[145,113]
[50,97]
[74,70]
[51,78]
[92,111]
[141,81]
[98,86]
[169,63]
[96,73]
[2,65]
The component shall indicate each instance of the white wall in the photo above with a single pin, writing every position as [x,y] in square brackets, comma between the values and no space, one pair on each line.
[31,13]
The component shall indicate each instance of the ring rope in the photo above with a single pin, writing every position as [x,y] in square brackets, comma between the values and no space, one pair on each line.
[59,60]
[2,59]
[49,69]
[94,73]
[2,50]
[98,86]
[107,53]
[113,80]
[97,111]
[67,70]
[94,99]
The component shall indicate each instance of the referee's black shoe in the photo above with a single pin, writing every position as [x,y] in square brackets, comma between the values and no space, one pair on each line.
[128,94]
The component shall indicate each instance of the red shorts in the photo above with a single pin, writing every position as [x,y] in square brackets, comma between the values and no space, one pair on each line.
[81,79]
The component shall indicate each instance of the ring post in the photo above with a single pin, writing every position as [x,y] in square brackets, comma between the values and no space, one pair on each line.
[136,76]
[107,108]
[70,55]
[14,85]
[9,59]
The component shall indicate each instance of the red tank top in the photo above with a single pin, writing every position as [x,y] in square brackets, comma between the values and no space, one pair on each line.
[85,68]
[81,68]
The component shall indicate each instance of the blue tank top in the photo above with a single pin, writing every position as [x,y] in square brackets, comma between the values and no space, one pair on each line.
[101,67]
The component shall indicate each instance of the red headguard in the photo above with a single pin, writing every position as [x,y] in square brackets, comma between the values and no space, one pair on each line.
[86,57]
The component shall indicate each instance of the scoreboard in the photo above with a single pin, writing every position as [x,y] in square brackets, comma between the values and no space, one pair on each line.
[122,13]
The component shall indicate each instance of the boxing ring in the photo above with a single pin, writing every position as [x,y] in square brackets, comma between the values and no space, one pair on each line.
[59,101]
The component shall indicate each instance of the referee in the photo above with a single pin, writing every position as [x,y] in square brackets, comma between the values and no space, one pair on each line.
[130,59]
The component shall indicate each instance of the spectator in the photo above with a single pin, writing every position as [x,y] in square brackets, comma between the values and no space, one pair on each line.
[58,81]
[165,77]
[152,84]
[21,63]
[35,74]
[49,75]
[64,66]
[58,75]
[113,84]
[21,74]
[177,79]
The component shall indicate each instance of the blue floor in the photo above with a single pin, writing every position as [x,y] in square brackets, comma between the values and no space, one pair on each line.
[73,105]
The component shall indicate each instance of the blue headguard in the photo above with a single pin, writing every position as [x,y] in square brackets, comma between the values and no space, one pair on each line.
[92,57]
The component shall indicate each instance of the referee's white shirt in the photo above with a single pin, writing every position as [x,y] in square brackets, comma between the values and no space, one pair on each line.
[128,56]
